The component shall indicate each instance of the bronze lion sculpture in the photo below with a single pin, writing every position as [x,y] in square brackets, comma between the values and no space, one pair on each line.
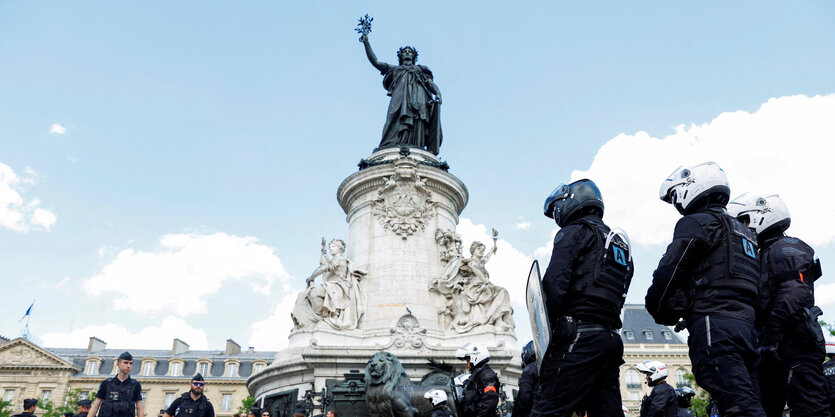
[390,393]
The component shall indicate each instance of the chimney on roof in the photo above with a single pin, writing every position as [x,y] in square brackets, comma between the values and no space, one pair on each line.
[232,348]
[179,347]
[251,349]
[96,345]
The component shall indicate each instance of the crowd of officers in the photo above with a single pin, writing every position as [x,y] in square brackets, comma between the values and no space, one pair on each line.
[742,288]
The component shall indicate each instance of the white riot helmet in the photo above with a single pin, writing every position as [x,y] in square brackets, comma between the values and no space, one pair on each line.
[436,396]
[830,348]
[478,354]
[760,212]
[686,185]
[655,369]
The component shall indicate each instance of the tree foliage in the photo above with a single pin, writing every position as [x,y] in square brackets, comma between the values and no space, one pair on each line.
[246,404]
[5,408]
[69,406]
[698,405]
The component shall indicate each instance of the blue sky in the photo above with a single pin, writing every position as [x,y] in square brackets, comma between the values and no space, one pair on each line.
[168,132]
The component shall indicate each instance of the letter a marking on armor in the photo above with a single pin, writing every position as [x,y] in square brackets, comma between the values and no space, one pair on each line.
[620,257]
[749,248]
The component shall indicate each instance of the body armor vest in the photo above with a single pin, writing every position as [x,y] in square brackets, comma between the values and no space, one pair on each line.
[118,400]
[729,272]
[605,273]
[191,408]
[829,374]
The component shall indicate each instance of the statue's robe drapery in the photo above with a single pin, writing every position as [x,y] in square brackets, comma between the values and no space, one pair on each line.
[342,300]
[413,119]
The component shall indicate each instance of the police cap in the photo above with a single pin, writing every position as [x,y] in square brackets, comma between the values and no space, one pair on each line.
[255,410]
[29,403]
[125,356]
[85,403]
[197,377]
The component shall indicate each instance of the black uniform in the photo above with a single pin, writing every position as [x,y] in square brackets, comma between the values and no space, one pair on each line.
[661,402]
[684,412]
[80,415]
[584,282]
[528,393]
[481,392]
[185,406]
[793,352]
[441,411]
[25,414]
[829,374]
[119,397]
[709,276]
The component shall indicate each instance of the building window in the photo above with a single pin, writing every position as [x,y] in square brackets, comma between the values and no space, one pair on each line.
[169,398]
[634,395]
[629,334]
[8,396]
[226,402]
[667,335]
[681,381]
[83,395]
[648,334]
[633,381]
[203,368]
[259,367]
[175,368]
[46,395]
[232,369]
[92,368]
[148,369]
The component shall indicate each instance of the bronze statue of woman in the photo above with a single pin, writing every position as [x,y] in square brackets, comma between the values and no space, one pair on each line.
[414,115]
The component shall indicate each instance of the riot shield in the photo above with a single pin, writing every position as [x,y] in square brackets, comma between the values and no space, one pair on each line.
[538,312]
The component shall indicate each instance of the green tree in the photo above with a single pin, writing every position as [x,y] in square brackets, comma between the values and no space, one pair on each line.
[246,404]
[5,409]
[698,405]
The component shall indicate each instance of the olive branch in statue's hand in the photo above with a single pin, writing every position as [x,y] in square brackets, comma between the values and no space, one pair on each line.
[364,27]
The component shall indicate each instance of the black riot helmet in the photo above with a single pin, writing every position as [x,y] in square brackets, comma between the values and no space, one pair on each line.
[684,395]
[528,353]
[567,202]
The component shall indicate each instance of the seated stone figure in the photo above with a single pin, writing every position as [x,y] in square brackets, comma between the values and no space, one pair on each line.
[338,300]
[471,299]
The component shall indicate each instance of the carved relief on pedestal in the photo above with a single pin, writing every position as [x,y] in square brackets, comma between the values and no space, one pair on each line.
[407,334]
[404,204]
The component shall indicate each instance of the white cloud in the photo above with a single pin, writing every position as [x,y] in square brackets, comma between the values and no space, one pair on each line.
[272,332]
[153,337]
[185,268]
[785,147]
[17,213]
[523,225]
[57,129]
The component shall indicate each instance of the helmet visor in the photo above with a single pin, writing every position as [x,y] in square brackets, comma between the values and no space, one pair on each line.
[562,192]
[678,176]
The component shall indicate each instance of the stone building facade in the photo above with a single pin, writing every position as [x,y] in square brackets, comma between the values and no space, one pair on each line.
[30,371]
[643,340]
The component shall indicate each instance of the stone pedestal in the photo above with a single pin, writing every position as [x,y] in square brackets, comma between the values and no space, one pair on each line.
[395,204]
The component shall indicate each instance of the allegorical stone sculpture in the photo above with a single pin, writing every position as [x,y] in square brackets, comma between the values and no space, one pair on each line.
[414,115]
[338,300]
[471,300]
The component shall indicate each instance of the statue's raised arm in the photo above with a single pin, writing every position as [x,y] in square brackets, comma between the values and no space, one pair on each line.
[372,58]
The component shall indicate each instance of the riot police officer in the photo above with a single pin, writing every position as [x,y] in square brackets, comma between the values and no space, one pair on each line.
[481,389]
[29,406]
[829,374]
[192,403]
[438,400]
[791,340]
[120,396]
[584,288]
[661,402]
[83,407]
[683,397]
[709,277]
[528,393]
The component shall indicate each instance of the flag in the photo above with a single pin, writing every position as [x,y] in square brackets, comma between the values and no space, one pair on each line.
[28,311]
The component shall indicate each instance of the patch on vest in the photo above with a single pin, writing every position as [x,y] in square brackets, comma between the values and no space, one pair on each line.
[113,396]
[620,256]
[748,246]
